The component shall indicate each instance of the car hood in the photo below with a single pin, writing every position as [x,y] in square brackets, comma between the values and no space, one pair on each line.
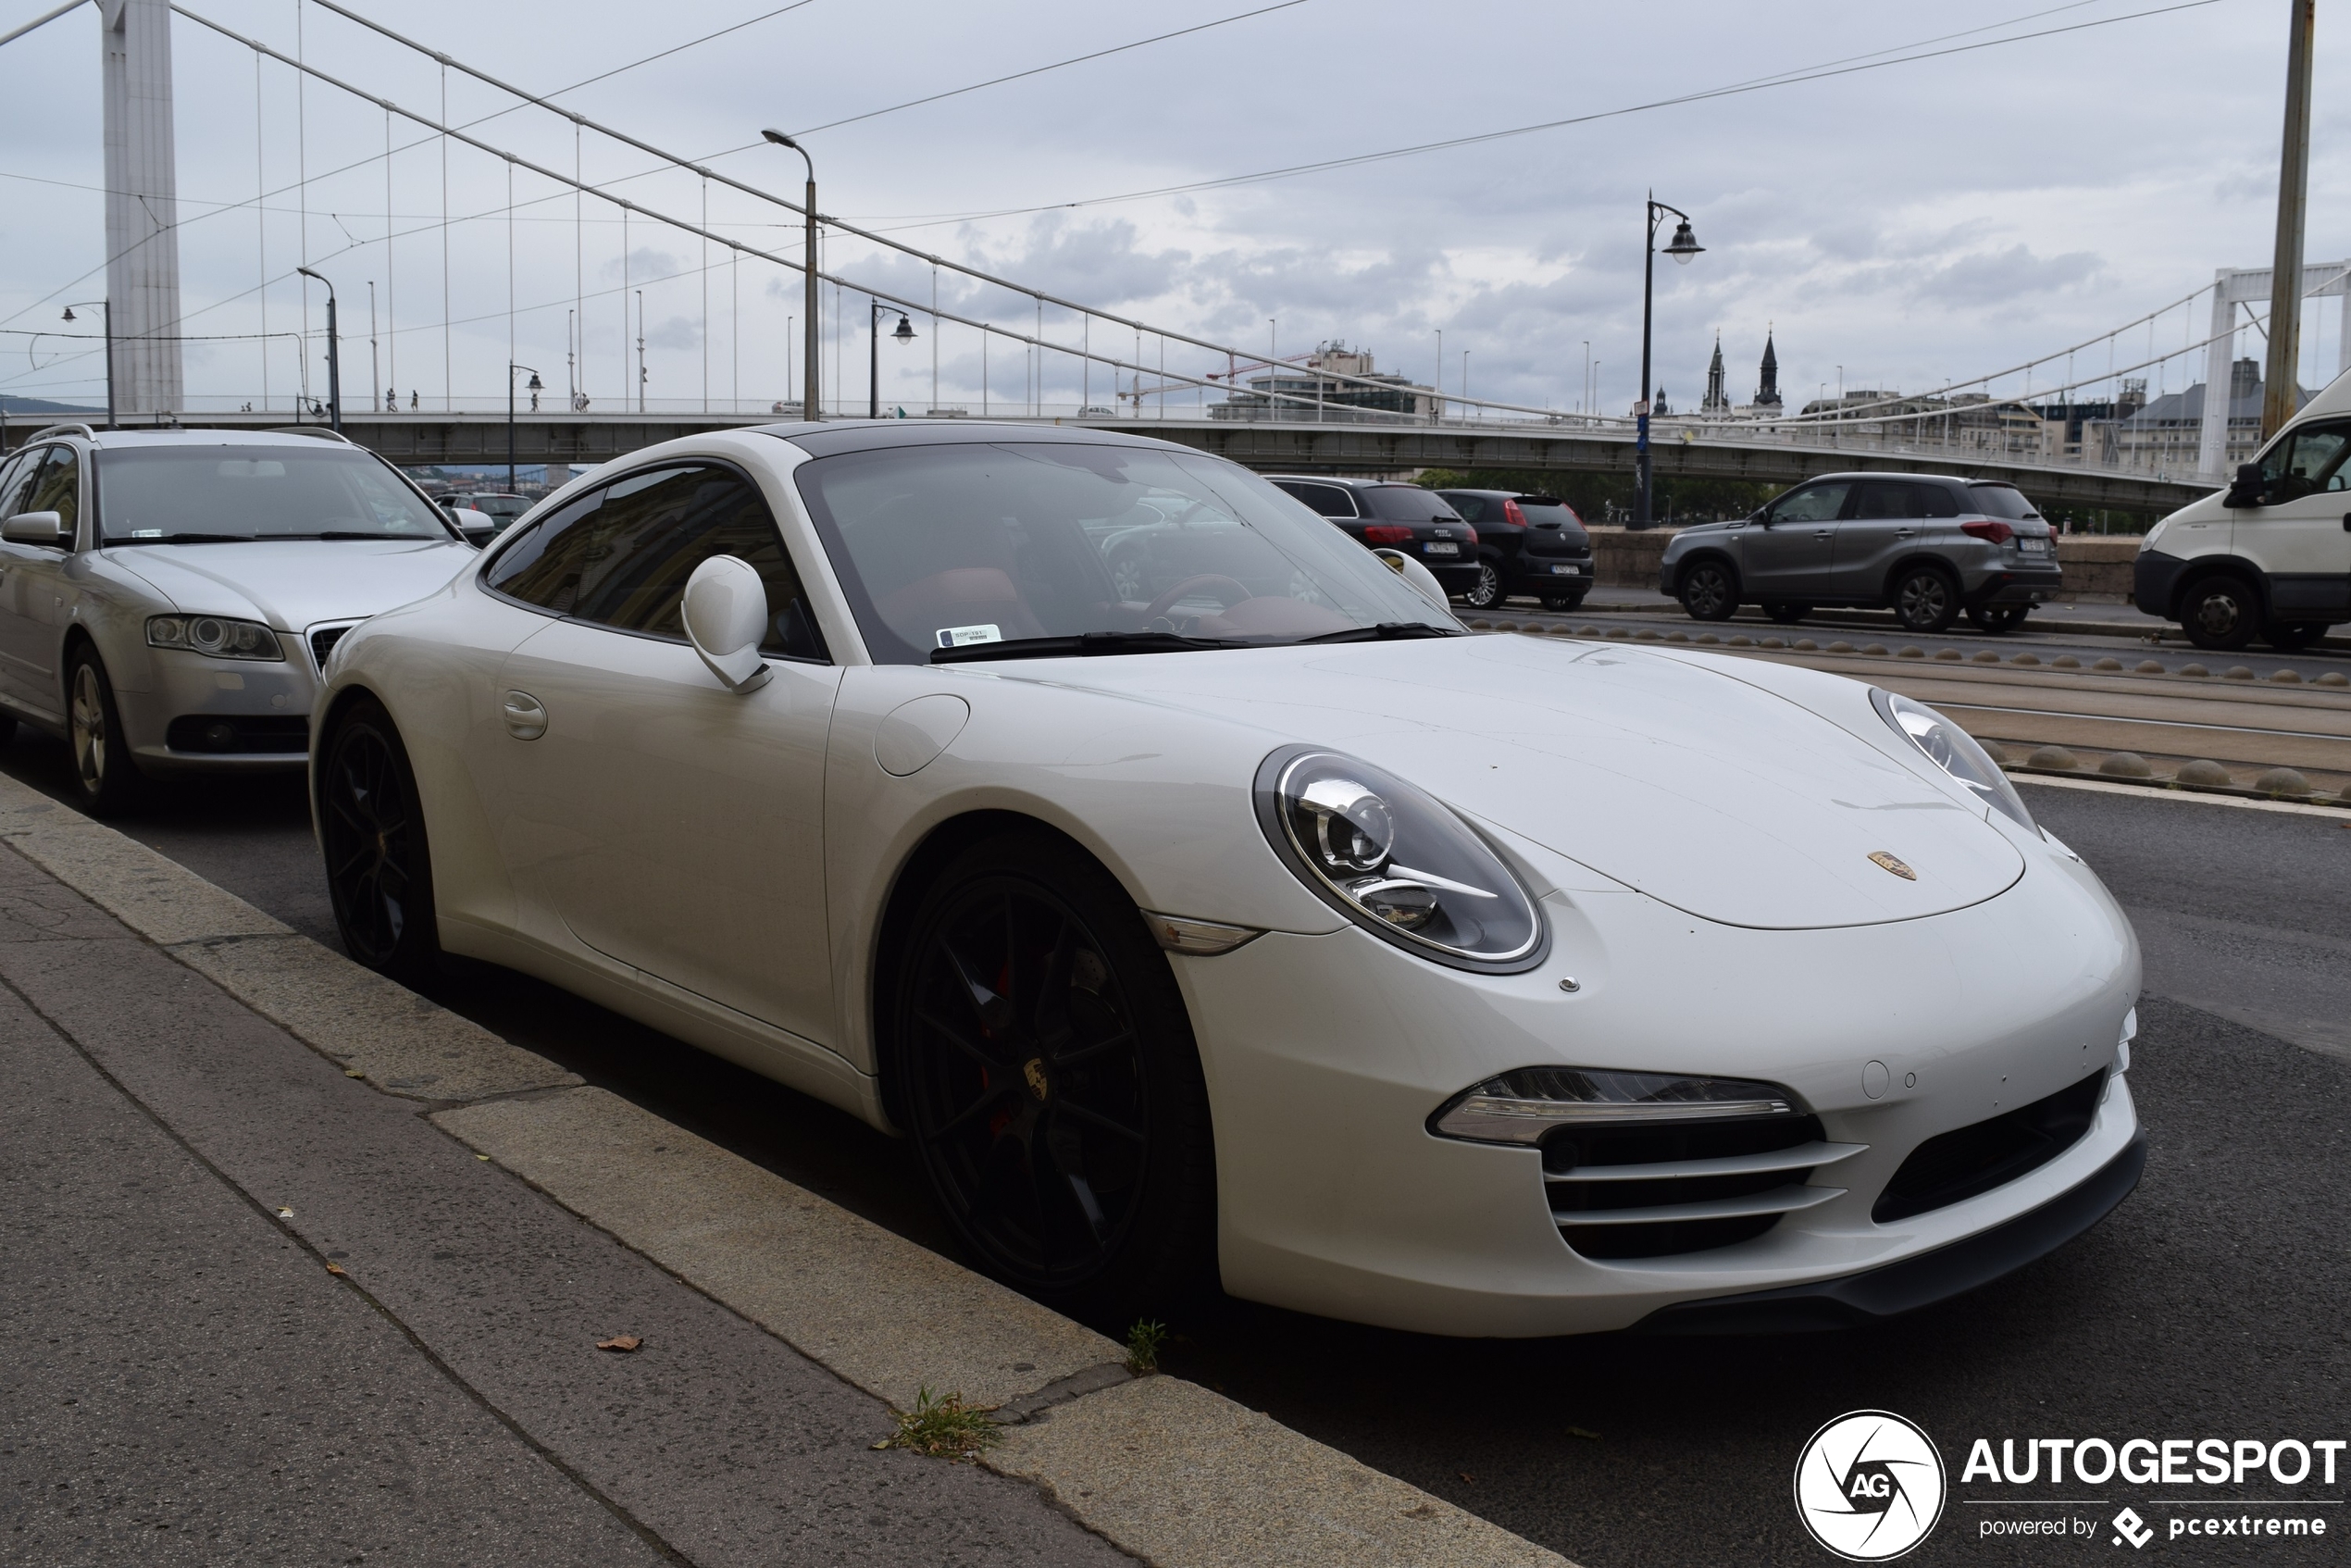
[294,583]
[1667,774]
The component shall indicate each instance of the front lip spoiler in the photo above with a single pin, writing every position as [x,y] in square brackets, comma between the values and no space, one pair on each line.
[1905,1287]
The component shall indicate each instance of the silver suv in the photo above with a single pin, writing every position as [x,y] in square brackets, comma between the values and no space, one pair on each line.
[1922,545]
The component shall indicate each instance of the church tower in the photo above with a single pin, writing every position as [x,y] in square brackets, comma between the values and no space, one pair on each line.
[1767,394]
[1715,402]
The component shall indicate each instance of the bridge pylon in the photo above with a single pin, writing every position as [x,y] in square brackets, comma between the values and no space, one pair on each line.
[143,202]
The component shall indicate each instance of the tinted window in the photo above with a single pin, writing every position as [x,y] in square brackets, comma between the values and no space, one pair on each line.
[14,476]
[1330,500]
[1542,513]
[1814,504]
[154,492]
[2309,461]
[620,556]
[1471,507]
[2001,500]
[1887,498]
[57,487]
[1406,503]
[1936,500]
[958,545]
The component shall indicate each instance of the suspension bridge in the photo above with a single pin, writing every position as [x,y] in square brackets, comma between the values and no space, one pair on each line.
[435,384]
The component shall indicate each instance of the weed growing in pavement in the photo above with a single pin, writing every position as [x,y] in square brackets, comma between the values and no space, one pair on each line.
[1143,1341]
[943,1428]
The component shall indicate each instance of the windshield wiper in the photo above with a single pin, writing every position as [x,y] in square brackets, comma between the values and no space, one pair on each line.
[1386,631]
[1086,644]
[182,539]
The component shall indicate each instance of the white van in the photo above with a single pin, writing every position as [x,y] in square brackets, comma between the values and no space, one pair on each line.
[2270,555]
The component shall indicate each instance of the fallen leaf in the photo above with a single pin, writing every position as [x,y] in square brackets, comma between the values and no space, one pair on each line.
[336,1269]
[481,1156]
[353,1073]
[285,1214]
[1426,1510]
[621,1342]
[883,1444]
[1467,1477]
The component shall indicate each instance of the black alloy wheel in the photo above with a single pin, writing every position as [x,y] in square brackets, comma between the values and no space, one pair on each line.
[1486,592]
[1787,612]
[1926,600]
[1998,619]
[1045,1071]
[1560,603]
[2220,614]
[2288,637]
[378,873]
[1709,592]
[107,781]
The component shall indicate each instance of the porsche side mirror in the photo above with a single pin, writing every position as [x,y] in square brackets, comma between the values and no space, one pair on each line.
[35,528]
[1423,582]
[725,615]
[2246,490]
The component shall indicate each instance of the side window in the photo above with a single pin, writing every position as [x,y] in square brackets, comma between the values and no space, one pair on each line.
[1814,504]
[2309,461]
[57,487]
[1330,500]
[1934,501]
[1471,507]
[621,557]
[14,473]
[1887,498]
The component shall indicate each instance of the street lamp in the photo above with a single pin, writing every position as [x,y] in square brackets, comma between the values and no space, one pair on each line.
[905,335]
[106,312]
[1684,246]
[536,386]
[809,269]
[334,357]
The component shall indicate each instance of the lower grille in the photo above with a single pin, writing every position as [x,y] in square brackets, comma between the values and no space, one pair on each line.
[1968,1161]
[322,644]
[1657,1189]
[227,733]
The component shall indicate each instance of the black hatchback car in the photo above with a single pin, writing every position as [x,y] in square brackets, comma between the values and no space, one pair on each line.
[1385,514]
[1532,545]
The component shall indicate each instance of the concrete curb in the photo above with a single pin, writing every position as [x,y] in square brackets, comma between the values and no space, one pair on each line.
[1162,1468]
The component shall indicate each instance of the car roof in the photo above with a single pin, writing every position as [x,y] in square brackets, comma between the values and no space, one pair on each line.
[835,436]
[1348,484]
[1860,474]
[115,440]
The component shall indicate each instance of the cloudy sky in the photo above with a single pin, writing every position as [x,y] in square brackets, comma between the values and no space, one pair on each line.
[1921,222]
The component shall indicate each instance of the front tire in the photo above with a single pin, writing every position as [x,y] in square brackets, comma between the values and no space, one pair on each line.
[1926,600]
[1044,1069]
[1486,592]
[372,827]
[2220,614]
[107,781]
[1709,592]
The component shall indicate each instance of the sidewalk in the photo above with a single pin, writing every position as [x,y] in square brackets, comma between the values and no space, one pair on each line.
[190,1384]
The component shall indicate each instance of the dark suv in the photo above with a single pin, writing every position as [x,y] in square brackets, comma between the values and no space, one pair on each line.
[1384,515]
[1922,545]
[1532,545]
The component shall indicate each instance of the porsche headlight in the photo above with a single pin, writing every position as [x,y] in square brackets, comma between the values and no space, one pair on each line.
[215,637]
[1954,751]
[1395,862]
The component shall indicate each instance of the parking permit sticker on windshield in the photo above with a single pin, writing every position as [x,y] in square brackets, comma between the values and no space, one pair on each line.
[965,636]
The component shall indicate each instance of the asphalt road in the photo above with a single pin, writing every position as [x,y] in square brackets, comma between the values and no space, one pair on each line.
[2212,1304]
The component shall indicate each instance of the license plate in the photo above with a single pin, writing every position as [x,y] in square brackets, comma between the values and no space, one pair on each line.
[1567,571]
[2034,546]
[1442,549]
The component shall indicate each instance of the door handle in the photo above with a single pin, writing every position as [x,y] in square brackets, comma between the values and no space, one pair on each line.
[1905,533]
[1823,533]
[526,715]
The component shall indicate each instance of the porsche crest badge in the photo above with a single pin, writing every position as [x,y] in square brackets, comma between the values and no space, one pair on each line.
[1894,864]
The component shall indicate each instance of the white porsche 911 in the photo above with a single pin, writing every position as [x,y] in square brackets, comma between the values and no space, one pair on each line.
[1195,894]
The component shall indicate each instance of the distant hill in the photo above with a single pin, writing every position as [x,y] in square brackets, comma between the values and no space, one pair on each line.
[12,406]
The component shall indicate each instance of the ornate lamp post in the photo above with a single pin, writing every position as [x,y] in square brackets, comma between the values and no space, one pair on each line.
[1682,247]
[905,335]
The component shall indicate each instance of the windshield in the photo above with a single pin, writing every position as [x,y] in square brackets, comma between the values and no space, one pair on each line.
[1541,512]
[201,494]
[956,546]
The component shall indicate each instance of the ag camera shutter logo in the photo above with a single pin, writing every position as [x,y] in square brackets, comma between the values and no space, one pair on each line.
[1870,1485]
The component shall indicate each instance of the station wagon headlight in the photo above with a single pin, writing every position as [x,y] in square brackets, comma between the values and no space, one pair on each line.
[1954,751]
[215,637]
[1524,1106]
[1396,861]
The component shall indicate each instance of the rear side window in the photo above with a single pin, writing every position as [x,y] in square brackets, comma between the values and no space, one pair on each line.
[1407,503]
[620,556]
[1471,507]
[1888,498]
[2001,500]
[1330,500]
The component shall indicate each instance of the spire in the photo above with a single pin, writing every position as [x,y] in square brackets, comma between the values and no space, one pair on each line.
[1767,394]
[1716,401]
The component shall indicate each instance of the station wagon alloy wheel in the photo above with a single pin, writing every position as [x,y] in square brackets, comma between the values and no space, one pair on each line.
[89,729]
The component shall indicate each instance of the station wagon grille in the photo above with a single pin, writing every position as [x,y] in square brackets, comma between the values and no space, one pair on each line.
[1653,1191]
[322,644]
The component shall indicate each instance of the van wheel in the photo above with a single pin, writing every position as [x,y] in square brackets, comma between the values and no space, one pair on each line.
[2220,614]
[107,781]
[1926,600]
[2288,637]
[1045,1073]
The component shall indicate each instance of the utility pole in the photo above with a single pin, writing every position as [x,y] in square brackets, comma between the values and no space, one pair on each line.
[2281,379]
